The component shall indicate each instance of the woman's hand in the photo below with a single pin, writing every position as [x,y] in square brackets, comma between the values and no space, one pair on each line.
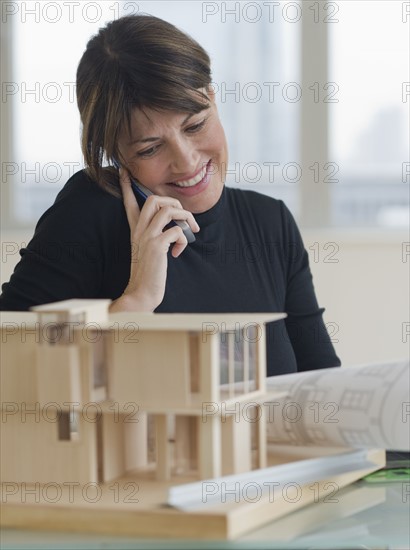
[149,247]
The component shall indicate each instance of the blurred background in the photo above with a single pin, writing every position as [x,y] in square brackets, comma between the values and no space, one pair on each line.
[314,98]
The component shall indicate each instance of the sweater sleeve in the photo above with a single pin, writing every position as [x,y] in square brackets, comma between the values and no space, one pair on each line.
[308,334]
[66,256]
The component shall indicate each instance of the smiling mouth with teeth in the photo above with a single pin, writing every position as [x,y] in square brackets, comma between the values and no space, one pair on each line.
[193,181]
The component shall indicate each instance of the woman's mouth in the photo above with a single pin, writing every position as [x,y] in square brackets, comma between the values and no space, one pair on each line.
[196,184]
[194,181]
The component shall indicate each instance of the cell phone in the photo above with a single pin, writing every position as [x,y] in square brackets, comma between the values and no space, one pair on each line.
[141,193]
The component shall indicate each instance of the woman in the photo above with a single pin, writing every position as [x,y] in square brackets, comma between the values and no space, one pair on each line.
[146,102]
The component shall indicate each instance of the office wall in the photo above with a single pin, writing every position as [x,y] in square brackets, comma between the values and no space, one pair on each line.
[362,279]
[366,293]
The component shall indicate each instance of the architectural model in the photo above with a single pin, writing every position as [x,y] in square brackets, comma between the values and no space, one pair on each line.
[128,400]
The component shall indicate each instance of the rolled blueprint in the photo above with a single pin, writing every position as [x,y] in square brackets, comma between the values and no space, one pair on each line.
[366,406]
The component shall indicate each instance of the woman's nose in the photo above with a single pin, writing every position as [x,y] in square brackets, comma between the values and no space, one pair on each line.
[184,158]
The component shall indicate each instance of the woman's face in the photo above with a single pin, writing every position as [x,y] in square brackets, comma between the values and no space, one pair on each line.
[178,155]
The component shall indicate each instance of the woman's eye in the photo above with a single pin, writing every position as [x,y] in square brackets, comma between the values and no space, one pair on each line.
[191,130]
[196,127]
[148,152]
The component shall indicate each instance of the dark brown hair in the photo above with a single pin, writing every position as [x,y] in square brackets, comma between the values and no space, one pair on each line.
[136,61]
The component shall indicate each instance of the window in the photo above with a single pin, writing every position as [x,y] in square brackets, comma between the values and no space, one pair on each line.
[369,125]
[238,361]
[319,85]
[67,426]
[47,41]
[40,92]
[97,339]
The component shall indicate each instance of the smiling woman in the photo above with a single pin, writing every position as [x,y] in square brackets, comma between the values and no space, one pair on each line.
[146,103]
[180,156]
[133,64]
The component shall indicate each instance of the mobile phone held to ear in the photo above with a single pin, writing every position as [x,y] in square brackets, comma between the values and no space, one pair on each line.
[141,193]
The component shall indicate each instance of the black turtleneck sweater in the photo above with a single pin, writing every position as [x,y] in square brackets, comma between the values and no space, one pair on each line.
[248,257]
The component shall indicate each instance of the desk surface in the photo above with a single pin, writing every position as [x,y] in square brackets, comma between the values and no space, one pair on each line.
[363,515]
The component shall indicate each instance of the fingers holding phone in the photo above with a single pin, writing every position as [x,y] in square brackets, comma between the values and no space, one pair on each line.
[159,212]
[152,232]
[161,216]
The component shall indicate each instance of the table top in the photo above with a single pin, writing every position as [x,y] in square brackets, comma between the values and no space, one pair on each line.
[361,516]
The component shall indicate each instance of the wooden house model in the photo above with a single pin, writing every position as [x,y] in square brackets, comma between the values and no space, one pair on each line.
[92,399]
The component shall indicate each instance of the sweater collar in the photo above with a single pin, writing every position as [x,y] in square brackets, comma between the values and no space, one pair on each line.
[213,214]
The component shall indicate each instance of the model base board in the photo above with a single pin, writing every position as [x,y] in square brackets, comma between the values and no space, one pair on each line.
[134,506]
